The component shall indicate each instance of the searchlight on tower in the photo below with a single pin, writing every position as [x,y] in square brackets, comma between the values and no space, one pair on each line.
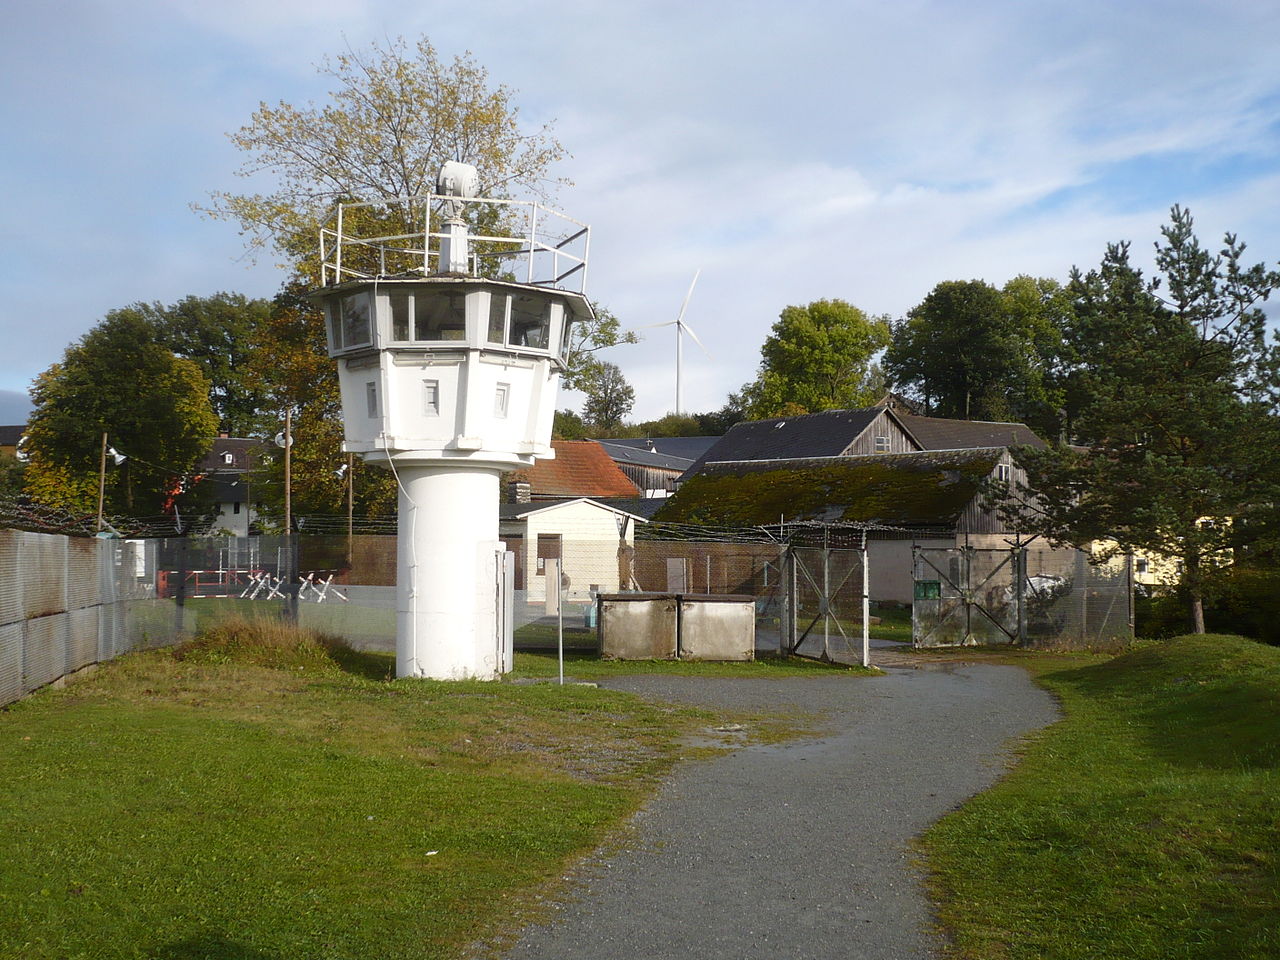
[450,317]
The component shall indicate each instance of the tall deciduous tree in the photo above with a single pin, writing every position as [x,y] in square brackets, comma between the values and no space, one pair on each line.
[585,340]
[395,115]
[609,398]
[973,352]
[1179,439]
[216,332]
[120,380]
[817,357]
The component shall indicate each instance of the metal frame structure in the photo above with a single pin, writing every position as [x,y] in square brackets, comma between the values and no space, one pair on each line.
[551,247]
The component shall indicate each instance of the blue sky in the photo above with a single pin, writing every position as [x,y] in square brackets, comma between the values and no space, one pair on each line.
[796,151]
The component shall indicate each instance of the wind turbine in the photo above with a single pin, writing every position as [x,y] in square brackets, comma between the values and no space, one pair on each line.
[683,328]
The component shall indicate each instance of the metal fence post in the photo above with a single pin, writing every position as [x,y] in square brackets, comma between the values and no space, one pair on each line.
[1020,592]
[866,604]
[1082,584]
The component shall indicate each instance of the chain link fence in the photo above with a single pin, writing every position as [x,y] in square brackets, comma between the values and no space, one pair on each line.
[1033,596]
[67,602]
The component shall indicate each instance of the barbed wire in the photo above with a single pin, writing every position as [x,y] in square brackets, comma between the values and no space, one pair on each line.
[20,513]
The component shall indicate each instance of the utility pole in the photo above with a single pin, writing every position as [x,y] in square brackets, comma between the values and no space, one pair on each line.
[288,479]
[102,478]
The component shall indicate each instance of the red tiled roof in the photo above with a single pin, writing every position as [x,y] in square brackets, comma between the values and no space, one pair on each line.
[581,469]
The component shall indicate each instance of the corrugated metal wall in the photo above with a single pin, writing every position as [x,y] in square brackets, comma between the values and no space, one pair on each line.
[63,606]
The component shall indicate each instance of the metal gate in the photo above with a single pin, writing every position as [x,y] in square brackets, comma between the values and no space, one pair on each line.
[966,596]
[828,593]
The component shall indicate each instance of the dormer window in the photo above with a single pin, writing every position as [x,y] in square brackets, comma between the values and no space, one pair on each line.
[228,459]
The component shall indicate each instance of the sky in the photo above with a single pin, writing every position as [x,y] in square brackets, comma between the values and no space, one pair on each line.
[792,152]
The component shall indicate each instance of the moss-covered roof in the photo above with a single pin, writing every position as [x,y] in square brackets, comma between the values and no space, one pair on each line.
[906,489]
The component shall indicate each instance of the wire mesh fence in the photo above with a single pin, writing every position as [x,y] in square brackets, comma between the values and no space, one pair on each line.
[1036,596]
[66,602]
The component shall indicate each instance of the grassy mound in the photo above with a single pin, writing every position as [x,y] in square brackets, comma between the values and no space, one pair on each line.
[279,645]
[1146,824]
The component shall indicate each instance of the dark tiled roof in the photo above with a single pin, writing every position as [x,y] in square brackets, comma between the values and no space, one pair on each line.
[643,457]
[10,435]
[245,453]
[824,434]
[936,433]
[897,489]
[581,469]
[683,448]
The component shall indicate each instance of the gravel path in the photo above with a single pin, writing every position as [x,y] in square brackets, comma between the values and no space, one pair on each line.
[799,850]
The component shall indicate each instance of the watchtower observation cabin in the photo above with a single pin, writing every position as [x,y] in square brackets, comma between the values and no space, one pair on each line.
[450,317]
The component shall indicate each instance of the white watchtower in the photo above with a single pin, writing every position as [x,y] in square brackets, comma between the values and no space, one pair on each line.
[450,316]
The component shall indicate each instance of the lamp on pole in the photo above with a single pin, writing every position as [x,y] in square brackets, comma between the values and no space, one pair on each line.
[119,458]
[102,478]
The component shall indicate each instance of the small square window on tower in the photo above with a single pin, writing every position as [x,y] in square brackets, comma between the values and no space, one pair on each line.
[371,394]
[431,398]
[500,398]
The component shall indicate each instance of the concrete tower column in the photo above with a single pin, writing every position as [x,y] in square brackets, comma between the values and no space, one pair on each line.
[446,549]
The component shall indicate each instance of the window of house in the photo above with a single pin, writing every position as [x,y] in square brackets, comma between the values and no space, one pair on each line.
[1141,565]
[882,445]
[1003,472]
[371,395]
[431,398]
[235,507]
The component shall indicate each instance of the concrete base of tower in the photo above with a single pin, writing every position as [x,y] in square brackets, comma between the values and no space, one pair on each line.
[448,562]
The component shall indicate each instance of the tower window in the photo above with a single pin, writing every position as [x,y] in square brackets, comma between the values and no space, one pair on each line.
[355,321]
[498,318]
[371,394]
[440,317]
[431,398]
[500,398]
[530,322]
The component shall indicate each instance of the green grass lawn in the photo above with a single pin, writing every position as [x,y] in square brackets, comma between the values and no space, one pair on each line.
[1146,824]
[234,801]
